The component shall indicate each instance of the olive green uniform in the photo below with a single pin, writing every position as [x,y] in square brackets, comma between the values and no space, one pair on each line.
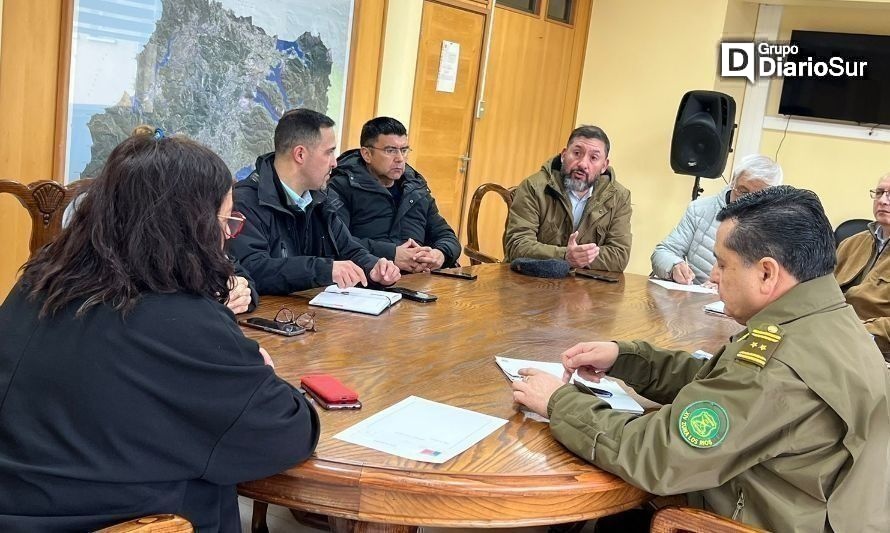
[786,428]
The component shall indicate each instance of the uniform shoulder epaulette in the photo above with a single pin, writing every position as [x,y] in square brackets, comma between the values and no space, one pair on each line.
[760,344]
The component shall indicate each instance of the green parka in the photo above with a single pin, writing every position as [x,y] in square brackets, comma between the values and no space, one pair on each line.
[786,428]
[540,219]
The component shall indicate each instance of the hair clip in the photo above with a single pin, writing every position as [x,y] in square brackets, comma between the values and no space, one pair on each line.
[159,134]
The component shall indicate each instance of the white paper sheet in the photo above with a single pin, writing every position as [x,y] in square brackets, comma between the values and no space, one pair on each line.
[446,80]
[422,430]
[670,285]
[718,308]
[620,399]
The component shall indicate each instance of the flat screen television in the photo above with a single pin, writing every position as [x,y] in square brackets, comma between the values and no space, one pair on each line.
[865,100]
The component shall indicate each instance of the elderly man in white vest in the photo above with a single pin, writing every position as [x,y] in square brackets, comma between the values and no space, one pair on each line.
[686,255]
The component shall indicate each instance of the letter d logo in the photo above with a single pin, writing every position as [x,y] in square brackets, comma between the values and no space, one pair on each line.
[737,60]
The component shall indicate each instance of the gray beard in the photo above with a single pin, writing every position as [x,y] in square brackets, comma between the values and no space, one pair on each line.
[575,185]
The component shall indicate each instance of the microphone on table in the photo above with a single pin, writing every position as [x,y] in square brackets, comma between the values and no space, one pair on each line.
[541,268]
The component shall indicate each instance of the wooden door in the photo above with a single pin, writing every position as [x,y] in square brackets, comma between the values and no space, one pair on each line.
[530,101]
[442,120]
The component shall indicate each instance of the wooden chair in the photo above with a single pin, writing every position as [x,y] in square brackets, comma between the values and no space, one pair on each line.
[678,519]
[160,523]
[45,201]
[471,250]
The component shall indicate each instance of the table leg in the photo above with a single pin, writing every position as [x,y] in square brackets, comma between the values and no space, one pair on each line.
[258,520]
[345,525]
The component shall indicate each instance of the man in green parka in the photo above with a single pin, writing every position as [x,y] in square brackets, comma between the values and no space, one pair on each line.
[787,427]
[573,208]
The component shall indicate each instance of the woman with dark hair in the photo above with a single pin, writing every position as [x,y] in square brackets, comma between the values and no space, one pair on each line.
[243,296]
[126,386]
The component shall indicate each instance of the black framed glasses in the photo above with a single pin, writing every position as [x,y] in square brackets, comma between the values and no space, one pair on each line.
[877,193]
[234,223]
[304,320]
[392,151]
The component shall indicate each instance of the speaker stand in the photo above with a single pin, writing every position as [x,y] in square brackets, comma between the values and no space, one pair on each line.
[696,188]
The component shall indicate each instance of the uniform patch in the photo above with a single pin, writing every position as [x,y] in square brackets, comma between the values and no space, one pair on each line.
[704,424]
[759,344]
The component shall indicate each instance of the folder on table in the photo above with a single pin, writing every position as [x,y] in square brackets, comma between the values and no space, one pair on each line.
[356,299]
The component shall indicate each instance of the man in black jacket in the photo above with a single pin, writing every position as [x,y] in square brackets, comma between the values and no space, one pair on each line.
[293,239]
[387,205]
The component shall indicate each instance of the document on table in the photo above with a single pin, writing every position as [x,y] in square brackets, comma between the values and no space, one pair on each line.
[620,399]
[716,308]
[670,285]
[422,430]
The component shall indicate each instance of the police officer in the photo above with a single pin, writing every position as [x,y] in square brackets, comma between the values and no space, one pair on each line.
[786,427]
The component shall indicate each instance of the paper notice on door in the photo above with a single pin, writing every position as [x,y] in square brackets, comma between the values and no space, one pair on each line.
[448,62]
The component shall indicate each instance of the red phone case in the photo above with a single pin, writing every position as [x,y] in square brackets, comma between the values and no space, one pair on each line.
[329,388]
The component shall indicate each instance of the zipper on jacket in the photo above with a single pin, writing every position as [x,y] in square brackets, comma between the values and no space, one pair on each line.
[739,505]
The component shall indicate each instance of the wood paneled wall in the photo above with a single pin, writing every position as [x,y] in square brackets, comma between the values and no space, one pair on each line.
[531,98]
[29,72]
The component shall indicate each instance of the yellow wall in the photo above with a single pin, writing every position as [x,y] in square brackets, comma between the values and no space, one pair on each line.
[399,63]
[839,170]
[642,56]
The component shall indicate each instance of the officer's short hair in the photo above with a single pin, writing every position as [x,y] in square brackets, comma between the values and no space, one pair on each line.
[299,127]
[590,132]
[784,223]
[380,126]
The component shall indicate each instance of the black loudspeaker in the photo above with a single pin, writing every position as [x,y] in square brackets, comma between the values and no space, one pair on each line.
[702,134]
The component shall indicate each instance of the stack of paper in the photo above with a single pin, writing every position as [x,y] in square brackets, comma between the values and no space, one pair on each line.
[356,299]
[620,399]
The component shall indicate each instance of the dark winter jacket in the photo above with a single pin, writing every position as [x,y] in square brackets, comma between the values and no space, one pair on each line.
[105,417]
[373,217]
[284,248]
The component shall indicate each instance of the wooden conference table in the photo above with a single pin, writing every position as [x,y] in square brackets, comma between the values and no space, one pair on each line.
[444,351]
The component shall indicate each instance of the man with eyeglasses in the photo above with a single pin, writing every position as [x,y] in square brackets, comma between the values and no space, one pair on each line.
[387,204]
[293,239]
[573,208]
[863,269]
[686,255]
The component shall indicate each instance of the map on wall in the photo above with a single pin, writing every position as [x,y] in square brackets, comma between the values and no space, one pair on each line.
[220,72]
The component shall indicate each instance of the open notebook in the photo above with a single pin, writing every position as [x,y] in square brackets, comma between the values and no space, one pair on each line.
[367,301]
[620,399]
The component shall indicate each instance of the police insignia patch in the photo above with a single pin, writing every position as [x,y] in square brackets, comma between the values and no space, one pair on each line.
[704,424]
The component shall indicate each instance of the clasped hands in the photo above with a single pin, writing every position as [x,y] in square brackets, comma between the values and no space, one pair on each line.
[412,257]
[590,359]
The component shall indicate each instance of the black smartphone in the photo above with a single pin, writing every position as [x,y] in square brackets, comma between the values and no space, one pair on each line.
[279,328]
[594,275]
[411,294]
[460,275]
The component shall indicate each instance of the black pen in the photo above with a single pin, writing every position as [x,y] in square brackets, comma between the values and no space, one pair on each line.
[594,390]
[600,392]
